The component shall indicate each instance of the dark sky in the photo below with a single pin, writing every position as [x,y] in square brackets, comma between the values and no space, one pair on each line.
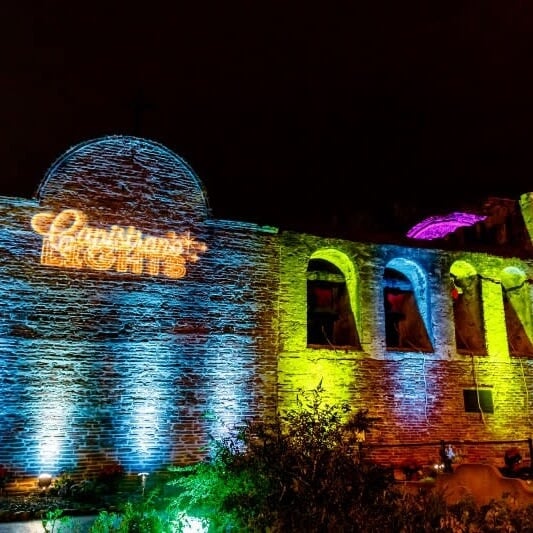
[284,109]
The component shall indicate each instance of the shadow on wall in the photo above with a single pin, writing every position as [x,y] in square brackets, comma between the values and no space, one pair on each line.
[484,483]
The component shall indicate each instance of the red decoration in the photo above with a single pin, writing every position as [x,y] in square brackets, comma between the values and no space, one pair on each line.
[396,302]
[323,297]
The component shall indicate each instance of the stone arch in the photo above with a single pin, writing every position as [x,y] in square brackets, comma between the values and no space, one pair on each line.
[407,306]
[517,311]
[468,314]
[337,272]
[120,178]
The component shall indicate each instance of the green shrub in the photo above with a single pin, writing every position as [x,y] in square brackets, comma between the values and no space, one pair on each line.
[134,517]
[301,471]
[56,522]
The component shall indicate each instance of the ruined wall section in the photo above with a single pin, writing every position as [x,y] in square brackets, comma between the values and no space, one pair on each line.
[417,397]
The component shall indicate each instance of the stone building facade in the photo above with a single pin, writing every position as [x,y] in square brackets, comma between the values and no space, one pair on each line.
[135,327]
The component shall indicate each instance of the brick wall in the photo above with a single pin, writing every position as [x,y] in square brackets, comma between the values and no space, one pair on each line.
[100,366]
[140,363]
[416,397]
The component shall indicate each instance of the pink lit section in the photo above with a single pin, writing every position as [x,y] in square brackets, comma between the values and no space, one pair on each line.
[437,227]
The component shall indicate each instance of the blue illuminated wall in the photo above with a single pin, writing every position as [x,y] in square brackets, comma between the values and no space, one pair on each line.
[103,366]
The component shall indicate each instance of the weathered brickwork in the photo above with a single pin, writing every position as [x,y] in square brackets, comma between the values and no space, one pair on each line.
[102,366]
[111,357]
[417,397]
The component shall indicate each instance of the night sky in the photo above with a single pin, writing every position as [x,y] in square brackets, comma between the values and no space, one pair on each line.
[285,110]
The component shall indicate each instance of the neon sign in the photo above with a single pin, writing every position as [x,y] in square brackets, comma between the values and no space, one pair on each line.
[437,227]
[68,241]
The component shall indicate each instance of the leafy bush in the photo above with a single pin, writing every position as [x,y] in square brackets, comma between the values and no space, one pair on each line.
[55,521]
[135,516]
[302,471]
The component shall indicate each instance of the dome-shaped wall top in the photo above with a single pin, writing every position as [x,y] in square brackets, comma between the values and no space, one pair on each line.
[123,179]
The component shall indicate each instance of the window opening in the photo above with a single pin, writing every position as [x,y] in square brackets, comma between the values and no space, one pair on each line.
[468,314]
[517,337]
[478,401]
[404,326]
[517,312]
[330,320]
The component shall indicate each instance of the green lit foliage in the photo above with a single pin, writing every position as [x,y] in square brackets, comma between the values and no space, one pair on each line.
[134,516]
[55,521]
[300,472]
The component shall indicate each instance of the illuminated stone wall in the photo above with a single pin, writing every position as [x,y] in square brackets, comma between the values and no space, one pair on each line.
[134,325]
[416,396]
[129,351]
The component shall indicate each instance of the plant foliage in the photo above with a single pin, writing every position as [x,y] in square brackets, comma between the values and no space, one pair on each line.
[302,471]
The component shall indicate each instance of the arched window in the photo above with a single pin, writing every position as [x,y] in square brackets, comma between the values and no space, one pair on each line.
[467,309]
[406,321]
[330,317]
[517,310]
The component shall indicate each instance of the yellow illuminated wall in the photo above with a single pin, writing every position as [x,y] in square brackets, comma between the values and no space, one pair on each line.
[333,368]
[414,396]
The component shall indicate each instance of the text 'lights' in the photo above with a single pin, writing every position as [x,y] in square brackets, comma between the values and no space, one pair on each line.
[70,242]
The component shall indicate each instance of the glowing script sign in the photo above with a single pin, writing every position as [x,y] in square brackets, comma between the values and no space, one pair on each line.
[68,241]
